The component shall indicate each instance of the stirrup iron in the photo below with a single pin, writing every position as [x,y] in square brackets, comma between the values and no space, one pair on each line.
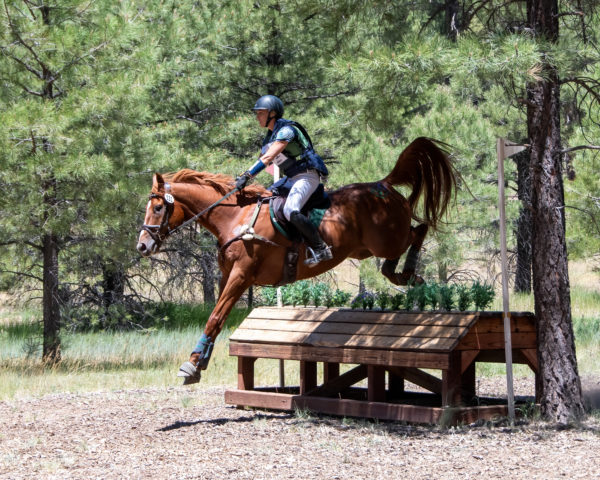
[315,257]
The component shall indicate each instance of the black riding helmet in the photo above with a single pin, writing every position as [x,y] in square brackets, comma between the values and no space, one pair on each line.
[270,103]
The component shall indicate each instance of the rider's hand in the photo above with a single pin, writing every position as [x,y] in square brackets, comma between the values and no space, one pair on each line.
[242,180]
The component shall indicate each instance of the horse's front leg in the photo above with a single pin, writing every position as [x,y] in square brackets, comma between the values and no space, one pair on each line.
[233,287]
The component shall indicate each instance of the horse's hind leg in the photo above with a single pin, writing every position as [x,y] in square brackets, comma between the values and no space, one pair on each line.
[412,258]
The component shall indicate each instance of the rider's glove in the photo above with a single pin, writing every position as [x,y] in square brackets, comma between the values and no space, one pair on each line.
[242,180]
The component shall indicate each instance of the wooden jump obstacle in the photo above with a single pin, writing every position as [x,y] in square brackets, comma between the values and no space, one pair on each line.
[396,345]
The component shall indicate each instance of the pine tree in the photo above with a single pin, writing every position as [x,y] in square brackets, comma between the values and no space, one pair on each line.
[70,137]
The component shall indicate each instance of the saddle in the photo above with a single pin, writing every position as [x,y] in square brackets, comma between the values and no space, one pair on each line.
[314,209]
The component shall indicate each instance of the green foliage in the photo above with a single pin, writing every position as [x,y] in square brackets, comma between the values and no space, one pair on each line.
[482,295]
[397,301]
[430,296]
[465,297]
[447,297]
[587,330]
[305,293]
[382,299]
[364,300]
[165,85]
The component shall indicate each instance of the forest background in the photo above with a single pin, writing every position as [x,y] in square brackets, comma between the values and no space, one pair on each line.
[96,96]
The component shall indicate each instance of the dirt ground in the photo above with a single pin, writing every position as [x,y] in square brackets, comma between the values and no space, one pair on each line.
[189,433]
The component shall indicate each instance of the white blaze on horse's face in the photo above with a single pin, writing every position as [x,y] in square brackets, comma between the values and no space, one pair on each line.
[155,212]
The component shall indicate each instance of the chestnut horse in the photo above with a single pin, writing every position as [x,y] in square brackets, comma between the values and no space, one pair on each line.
[365,219]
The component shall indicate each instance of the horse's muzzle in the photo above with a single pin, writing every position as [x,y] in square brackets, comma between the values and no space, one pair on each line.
[147,250]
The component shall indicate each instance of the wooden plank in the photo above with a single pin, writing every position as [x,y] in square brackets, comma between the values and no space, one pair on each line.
[419,377]
[342,355]
[496,325]
[337,340]
[334,406]
[334,386]
[467,415]
[376,383]
[426,331]
[361,316]
[495,341]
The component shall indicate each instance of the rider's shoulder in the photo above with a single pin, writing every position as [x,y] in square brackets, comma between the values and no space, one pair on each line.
[287,133]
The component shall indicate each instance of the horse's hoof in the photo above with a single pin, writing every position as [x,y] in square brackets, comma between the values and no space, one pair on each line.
[190,373]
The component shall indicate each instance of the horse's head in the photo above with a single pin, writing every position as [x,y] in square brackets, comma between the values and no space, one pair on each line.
[162,214]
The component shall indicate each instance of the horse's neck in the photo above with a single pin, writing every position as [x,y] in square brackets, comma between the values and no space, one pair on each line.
[195,199]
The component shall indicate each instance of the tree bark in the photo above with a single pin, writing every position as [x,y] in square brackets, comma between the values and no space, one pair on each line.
[561,398]
[113,284]
[208,264]
[523,224]
[50,299]
[451,21]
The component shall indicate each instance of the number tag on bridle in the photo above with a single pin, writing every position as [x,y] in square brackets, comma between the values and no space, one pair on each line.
[169,198]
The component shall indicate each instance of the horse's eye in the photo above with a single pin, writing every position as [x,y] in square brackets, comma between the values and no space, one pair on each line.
[157,208]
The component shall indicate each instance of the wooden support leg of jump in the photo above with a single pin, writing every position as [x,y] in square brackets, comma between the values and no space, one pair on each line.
[395,385]
[376,383]
[246,373]
[308,376]
[468,383]
[451,382]
[330,371]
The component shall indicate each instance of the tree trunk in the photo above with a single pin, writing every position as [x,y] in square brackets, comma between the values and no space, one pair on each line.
[451,20]
[113,284]
[50,300]
[561,398]
[208,264]
[524,224]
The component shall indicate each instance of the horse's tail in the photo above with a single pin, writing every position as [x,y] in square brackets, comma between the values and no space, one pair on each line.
[425,166]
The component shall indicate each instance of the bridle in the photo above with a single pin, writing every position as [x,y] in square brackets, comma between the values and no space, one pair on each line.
[155,230]
[169,201]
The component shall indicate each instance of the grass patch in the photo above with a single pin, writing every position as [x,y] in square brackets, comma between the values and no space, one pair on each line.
[126,359]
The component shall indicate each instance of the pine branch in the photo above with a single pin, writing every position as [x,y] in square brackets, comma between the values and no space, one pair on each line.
[580,147]
[22,274]
[17,35]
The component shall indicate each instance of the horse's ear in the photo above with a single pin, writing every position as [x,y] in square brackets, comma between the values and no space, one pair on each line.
[157,182]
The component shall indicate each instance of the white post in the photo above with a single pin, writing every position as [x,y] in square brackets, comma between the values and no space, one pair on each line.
[276,176]
[506,314]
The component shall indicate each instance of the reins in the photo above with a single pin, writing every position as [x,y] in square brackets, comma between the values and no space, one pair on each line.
[154,230]
[246,234]
[198,215]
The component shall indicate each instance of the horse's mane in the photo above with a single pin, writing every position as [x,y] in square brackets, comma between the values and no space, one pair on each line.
[219,181]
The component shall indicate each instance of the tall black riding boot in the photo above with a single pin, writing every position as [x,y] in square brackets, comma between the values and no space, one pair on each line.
[317,250]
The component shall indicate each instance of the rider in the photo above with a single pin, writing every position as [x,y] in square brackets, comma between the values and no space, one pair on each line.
[288,145]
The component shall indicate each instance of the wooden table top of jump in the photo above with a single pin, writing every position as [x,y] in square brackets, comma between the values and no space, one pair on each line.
[386,330]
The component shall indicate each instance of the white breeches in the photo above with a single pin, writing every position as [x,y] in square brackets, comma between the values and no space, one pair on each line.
[303,187]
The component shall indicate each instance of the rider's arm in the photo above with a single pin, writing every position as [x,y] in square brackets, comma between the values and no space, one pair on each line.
[275,149]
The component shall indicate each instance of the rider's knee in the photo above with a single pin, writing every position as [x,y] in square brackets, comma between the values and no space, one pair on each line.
[288,211]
